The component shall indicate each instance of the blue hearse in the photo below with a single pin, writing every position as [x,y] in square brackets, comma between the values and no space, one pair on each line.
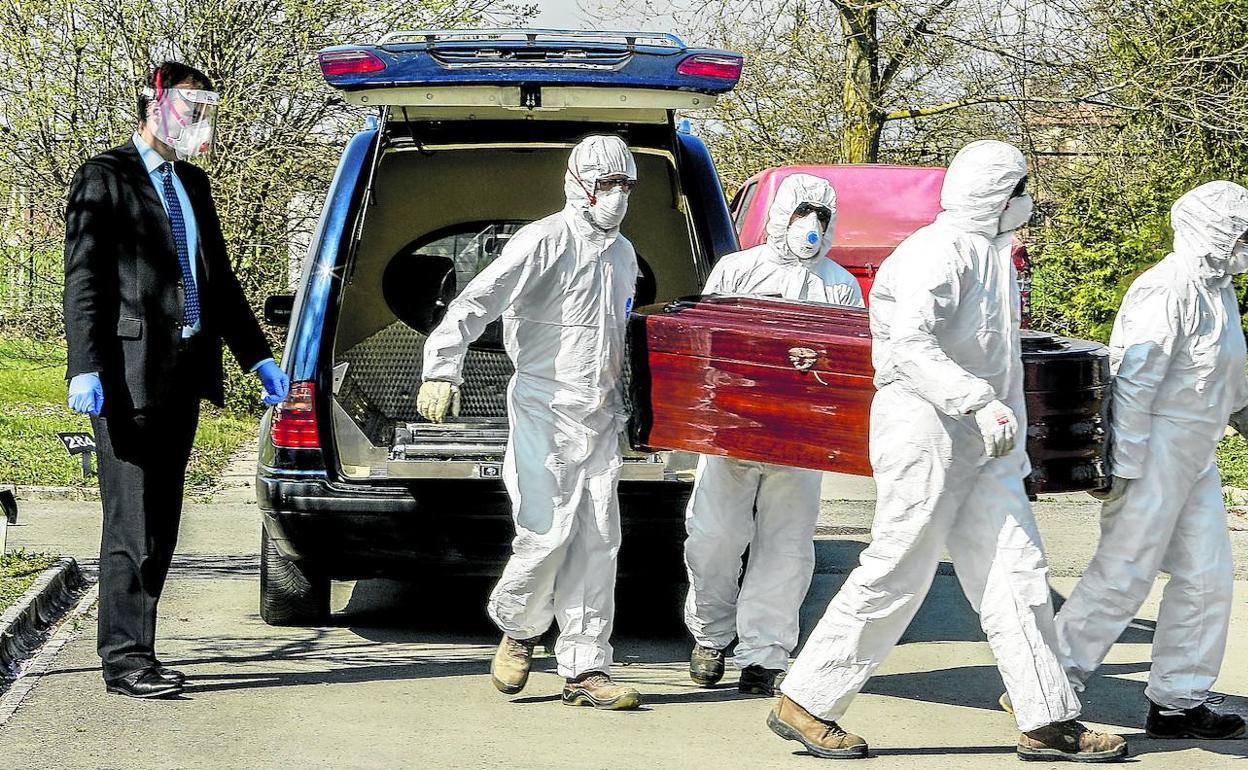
[467,141]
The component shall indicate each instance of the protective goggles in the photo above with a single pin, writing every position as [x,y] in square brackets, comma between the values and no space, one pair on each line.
[607,185]
[1019,188]
[824,214]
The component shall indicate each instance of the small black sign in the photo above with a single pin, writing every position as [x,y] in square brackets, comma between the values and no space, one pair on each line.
[77,443]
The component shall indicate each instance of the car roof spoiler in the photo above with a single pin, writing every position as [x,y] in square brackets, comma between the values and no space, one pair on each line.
[536,58]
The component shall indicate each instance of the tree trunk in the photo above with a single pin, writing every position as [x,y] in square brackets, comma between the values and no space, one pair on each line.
[860,136]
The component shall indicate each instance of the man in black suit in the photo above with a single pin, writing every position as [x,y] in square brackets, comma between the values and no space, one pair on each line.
[149,298]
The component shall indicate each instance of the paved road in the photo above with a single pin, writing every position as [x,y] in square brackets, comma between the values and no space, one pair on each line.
[400,679]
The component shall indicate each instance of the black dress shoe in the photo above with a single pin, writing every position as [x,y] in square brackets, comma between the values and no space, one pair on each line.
[1200,722]
[170,674]
[144,683]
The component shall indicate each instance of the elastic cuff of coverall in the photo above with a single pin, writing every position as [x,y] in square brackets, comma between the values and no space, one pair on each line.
[582,661]
[713,641]
[1187,700]
[980,396]
[1046,712]
[804,698]
[515,632]
[452,376]
[1050,718]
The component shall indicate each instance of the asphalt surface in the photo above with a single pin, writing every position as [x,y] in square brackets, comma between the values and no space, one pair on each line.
[400,679]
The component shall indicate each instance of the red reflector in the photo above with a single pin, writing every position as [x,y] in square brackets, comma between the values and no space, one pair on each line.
[294,420]
[349,63]
[702,65]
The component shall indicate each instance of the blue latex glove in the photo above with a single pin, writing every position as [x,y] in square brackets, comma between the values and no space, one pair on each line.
[86,394]
[276,383]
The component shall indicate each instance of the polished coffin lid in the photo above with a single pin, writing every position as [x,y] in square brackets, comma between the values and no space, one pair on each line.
[791,383]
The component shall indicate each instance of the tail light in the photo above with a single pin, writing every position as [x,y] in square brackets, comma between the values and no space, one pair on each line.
[349,63]
[711,66]
[294,420]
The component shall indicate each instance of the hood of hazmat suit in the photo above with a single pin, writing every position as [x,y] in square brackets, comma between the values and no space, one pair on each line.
[1177,353]
[793,191]
[596,158]
[1176,349]
[944,326]
[563,286]
[773,269]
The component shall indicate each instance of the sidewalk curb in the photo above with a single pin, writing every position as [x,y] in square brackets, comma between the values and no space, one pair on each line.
[41,663]
[69,494]
[23,626]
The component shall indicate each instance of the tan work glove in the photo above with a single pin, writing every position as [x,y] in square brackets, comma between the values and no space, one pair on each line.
[999,428]
[436,398]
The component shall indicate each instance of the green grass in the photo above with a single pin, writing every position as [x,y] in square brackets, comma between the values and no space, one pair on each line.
[1233,461]
[33,411]
[17,571]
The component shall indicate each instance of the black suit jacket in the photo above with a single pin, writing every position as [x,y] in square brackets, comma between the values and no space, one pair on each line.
[123,293]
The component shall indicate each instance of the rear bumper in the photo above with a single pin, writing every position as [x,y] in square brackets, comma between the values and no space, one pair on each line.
[447,526]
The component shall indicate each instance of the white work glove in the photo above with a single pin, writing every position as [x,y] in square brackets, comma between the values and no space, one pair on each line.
[999,427]
[436,398]
[1117,488]
[1239,421]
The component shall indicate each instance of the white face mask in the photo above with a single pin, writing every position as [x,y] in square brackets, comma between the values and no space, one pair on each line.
[1238,262]
[804,237]
[193,140]
[1017,213]
[609,209]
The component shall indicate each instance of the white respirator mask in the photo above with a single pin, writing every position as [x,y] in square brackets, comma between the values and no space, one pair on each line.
[183,118]
[1017,213]
[609,208]
[1238,263]
[804,237]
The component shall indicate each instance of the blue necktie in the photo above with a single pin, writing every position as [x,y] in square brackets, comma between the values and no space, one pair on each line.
[190,311]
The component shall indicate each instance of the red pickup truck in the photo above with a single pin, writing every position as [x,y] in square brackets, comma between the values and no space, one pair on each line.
[877,206]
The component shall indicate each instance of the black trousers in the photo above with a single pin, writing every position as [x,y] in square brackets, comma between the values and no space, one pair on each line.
[142,457]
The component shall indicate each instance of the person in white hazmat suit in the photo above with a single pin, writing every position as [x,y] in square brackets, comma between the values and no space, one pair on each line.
[564,288]
[1177,353]
[770,509]
[949,469]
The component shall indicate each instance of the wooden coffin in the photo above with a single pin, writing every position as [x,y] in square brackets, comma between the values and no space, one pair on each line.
[791,383]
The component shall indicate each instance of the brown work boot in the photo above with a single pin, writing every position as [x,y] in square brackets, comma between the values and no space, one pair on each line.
[509,671]
[1070,741]
[820,737]
[596,689]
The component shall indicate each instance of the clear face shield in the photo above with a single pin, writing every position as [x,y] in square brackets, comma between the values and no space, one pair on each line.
[183,118]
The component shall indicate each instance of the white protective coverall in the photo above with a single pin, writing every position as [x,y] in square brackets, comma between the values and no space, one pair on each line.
[944,324]
[721,519]
[1177,353]
[564,289]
